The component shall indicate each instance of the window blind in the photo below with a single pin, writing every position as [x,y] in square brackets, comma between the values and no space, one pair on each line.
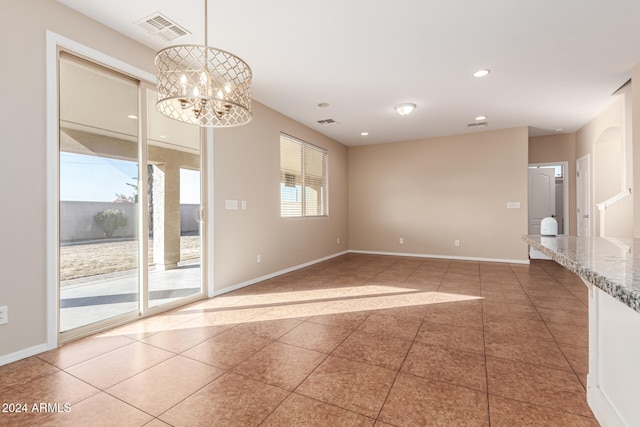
[303,178]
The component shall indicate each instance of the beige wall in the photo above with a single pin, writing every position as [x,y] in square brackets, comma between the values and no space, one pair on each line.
[606,139]
[558,148]
[23,153]
[246,162]
[247,167]
[432,192]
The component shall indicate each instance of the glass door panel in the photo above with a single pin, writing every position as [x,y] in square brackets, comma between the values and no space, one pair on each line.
[174,198]
[98,228]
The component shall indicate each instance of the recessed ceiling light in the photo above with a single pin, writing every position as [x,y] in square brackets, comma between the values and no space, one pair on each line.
[482,73]
[404,109]
[132,116]
[162,136]
[364,133]
[323,104]
[481,118]
[559,129]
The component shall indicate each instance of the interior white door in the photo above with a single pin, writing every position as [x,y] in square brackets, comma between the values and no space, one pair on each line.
[583,190]
[542,196]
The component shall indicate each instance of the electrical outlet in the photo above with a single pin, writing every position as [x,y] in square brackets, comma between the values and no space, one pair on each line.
[338,241]
[259,259]
[402,240]
[456,242]
[4,315]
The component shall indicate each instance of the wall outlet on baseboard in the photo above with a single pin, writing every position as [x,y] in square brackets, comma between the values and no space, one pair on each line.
[402,240]
[456,242]
[4,315]
[259,259]
[338,241]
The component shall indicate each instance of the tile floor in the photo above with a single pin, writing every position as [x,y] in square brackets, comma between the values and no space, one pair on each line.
[360,340]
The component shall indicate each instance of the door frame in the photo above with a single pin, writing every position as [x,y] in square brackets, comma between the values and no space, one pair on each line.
[585,161]
[565,192]
[54,44]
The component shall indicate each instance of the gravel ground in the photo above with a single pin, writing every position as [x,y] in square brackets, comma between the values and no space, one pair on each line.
[84,260]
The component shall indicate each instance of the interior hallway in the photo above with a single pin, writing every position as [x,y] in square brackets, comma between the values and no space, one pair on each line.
[357,340]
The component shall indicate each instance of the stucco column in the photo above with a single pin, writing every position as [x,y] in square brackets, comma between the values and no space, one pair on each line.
[166,216]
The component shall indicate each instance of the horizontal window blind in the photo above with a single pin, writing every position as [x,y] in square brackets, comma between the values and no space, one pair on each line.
[303,178]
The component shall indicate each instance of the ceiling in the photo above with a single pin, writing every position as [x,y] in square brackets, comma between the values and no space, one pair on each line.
[554,63]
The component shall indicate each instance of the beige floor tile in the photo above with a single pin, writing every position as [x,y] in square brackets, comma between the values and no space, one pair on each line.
[458,367]
[525,348]
[24,371]
[183,338]
[99,410]
[500,310]
[316,336]
[331,317]
[231,400]
[392,326]
[569,334]
[417,401]
[281,365]
[227,349]
[162,386]
[517,327]
[269,329]
[510,413]
[453,337]
[386,352]
[354,386]
[298,410]
[72,353]
[538,385]
[578,357]
[118,365]
[56,388]
[465,313]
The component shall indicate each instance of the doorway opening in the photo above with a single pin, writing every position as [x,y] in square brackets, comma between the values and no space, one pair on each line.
[548,197]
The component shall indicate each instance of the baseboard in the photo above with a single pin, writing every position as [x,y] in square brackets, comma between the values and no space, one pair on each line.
[459,258]
[275,274]
[23,354]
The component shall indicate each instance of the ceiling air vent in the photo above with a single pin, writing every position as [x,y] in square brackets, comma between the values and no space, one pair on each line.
[159,25]
[478,125]
[326,121]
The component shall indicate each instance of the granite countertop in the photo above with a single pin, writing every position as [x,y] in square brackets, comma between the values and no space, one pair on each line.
[611,264]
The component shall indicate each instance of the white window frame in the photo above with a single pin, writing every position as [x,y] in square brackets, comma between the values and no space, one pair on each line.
[324,193]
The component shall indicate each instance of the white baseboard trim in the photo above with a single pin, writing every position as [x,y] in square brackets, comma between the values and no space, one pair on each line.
[459,258]
[23,354]
[275,274]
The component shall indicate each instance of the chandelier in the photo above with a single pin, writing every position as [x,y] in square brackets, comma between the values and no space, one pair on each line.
[202,85]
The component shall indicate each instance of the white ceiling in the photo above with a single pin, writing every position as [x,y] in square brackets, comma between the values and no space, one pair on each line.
[554,63]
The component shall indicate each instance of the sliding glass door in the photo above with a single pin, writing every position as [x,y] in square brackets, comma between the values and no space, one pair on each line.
[129,201]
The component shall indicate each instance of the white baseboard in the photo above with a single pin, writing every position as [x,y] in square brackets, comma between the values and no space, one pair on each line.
[460,258]
[275,274]
[23,354]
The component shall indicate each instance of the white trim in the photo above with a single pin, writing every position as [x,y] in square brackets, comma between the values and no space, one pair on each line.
[209,214]
[565,192]
[451,257]
[612,200]
[53,42]
[23,354]
[277,273]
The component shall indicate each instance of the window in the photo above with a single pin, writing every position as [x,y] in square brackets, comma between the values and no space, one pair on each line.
[303,178]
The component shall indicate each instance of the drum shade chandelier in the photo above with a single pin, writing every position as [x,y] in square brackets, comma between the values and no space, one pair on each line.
[202,85]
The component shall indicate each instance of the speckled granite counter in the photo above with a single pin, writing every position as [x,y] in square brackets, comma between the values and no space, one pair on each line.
[612,265]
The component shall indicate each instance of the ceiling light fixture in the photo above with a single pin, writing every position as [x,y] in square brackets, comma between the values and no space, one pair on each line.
[202,85]
[364,133]
[482,73]
[479,118]
[404,109]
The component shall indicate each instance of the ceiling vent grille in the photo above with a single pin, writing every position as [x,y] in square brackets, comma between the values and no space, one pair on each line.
[326,121]
[159,25]
[478,125]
